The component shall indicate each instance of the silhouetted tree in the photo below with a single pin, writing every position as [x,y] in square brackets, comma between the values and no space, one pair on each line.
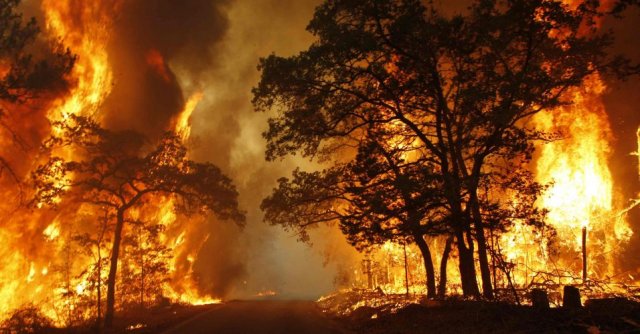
[377,197]
[111,172]
[461,87]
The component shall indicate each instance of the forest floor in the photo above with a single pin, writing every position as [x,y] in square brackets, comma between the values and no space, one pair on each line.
[372,313]
[614,315]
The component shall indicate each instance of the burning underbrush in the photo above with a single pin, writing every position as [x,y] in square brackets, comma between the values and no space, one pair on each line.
[152,319]
[354,302]
[366,311]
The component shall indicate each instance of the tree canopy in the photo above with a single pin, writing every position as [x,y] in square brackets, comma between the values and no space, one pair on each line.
[453,91]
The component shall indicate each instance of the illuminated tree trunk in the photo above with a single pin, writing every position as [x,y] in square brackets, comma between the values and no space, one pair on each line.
[428,265]
[111,280]
[584,254]
[442,285]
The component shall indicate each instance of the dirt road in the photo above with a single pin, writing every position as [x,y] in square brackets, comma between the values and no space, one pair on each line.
[268,317]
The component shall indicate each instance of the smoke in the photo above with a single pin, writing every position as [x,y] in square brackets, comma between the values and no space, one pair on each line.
[163,51]
[228,133]
[148,37]
[621,101]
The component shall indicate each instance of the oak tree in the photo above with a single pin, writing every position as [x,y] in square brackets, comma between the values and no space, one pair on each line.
[461,87]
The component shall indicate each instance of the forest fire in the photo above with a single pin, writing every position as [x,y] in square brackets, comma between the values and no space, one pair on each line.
[457,170]
[63,268]
[585,213]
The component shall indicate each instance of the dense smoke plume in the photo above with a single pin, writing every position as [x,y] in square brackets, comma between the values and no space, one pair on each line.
[228,133]
[149,37]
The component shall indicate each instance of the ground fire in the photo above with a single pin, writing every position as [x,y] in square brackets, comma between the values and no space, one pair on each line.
[455,155]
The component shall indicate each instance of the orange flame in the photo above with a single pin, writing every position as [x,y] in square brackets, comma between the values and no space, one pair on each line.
[183,121]
[38,264]
[582,194]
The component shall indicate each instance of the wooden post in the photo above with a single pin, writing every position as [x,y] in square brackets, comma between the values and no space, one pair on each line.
[638,151]
[539,299]
[571,297]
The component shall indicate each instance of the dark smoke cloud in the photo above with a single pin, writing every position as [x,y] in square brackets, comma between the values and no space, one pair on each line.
[220,264]
[186,31]
[149,36]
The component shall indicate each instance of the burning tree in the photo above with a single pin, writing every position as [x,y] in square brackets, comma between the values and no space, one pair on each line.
[23,76]
[459,90]
[111,173]
[146,261]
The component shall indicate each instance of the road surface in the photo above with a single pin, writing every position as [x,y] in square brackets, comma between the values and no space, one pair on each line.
[268,317]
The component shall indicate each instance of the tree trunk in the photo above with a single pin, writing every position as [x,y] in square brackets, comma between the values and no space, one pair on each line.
[485,271]
[111,280]
[466,263]
[428,265]
[442,285]
[142,272]
[99,284]
[467,267]
[406,269]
